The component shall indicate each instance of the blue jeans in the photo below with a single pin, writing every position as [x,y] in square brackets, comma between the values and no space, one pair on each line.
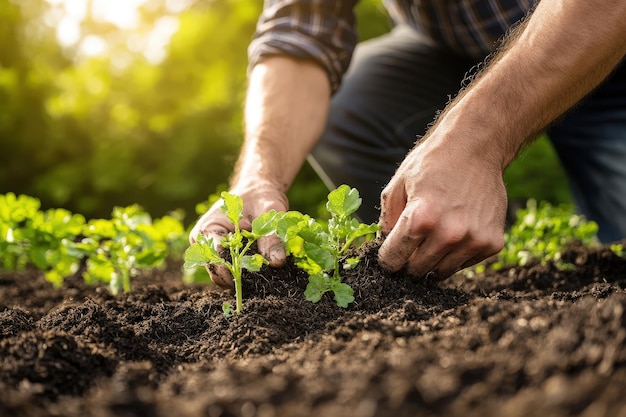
[391,93]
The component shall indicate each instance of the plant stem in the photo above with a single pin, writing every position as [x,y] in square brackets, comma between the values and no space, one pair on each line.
[337,254]
[236,271]
[126,281]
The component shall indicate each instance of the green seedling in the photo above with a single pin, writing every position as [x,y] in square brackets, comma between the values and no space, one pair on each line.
[319,249]
[205,251]
[29,236]
[541,233]
[618,249]
[117,249]
[58,242]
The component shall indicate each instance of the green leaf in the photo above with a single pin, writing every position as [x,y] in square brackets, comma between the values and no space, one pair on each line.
[343,201]
[232,207]
[317,286]
[227,309]
[253,263]
[289,224]
[344,295]
[38,257]
[363,229]
[197,275]
[308,266]
[265,223]
[131,216]
[313,232]
[99,268]
[350,263]
[15,209]
[200,254]
[321,256]
[151,257]
[55,278]
[100,228]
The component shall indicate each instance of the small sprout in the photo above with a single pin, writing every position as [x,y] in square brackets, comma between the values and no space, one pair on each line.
[205,251]
[319,249]
[618,249]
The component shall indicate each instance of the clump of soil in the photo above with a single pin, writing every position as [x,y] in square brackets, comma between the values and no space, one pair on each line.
[527,341]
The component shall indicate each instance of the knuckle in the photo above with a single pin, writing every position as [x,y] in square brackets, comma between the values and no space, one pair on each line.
[496,245]
[419,225]
[455,234]
[488,245]
[385,195]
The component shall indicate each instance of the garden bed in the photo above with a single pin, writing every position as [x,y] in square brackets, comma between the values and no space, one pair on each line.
[527,341]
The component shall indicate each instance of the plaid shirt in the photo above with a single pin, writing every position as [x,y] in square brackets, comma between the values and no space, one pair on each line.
[324,30]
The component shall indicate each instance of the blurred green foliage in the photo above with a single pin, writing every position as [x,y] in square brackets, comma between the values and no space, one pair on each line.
[88,133]
[91,131]
[542,231]
[537,174]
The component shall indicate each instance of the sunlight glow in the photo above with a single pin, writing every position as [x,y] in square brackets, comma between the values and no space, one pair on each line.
[67,16]
[121,13]
[68,31]
[177,6]
[159,38]
[93,46]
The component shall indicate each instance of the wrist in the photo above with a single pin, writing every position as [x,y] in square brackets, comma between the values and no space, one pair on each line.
[479,132]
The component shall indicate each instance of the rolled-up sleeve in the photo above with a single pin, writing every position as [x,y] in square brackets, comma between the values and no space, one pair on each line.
[319,30]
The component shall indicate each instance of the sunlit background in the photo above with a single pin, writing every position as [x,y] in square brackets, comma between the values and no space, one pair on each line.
[113,102]
[71,19]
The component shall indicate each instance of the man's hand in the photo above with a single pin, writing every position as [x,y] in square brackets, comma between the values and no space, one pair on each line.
[443,210]
[214,223]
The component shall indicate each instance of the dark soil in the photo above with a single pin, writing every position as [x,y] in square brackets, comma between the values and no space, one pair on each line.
[531,341]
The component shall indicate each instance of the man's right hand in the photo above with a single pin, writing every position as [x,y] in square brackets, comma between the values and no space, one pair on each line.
[256,201]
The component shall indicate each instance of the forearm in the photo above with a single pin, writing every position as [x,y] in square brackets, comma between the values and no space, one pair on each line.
[561,53]
[285,113]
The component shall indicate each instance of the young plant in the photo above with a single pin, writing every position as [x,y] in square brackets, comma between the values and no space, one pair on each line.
[58,242]
[541,232]
[29,236]
[117,249]
[319,249]
[205,251]
[618,249]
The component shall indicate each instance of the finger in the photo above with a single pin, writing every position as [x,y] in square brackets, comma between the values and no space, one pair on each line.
[272,249]
[450,265]
[473,261]
[446,248]
[425,259]
[220,275]
[440,251]
[400,244]
[463,255]
[392,203]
